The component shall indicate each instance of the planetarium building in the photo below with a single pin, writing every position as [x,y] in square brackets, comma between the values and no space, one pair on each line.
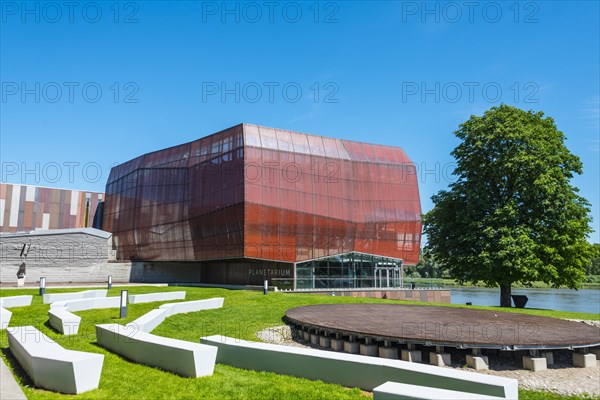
[251,203]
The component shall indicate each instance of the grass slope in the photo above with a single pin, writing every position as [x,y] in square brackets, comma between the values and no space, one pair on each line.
[243,314]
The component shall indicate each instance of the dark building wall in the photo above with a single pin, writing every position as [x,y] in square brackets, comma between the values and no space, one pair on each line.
[234,272]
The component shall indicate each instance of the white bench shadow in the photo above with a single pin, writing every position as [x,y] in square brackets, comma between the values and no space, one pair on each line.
[354,370]
[402,391]
[151,297]
[86,294]
[9,302]
[52,367]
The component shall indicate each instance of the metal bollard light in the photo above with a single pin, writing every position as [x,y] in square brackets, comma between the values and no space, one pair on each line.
[266,287]
[42,286]
[109,282]
[123,312]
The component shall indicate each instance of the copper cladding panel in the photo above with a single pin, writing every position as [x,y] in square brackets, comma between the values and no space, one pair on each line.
[264,193]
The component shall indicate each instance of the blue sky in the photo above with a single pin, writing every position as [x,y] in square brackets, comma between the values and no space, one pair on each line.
[87,86]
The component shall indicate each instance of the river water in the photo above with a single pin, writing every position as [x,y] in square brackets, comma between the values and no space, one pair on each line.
[583,300]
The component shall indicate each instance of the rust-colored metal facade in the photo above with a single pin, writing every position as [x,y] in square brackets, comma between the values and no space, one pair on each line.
[24,208]
[251,192]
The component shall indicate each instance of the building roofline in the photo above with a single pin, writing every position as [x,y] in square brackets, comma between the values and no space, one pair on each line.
[50,187]
[52,232]
[322,136]
[242,124]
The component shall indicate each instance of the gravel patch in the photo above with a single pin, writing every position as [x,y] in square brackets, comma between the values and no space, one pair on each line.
[588,322]
[561,378]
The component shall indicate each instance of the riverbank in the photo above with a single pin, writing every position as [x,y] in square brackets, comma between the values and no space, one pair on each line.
[566,300]
[446,282]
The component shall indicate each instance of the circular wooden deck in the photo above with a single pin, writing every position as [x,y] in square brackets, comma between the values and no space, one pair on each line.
[446,326]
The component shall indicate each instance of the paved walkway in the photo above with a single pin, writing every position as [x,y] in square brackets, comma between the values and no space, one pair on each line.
[9,388]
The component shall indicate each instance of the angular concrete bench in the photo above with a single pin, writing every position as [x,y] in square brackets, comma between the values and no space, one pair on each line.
[51,366]
[86,294]
[64,321]
[192,306]
[354,370]
[181,357]
[402,391]
[15,301]
[5,317]
[150,320]
[88,304]
[150,297]
[9,302]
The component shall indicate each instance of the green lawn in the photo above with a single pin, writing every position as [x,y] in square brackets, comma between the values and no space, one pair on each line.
[243,314]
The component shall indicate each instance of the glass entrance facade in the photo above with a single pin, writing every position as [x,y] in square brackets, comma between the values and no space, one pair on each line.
[349,271]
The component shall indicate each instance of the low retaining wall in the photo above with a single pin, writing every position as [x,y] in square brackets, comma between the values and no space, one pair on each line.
[61,255]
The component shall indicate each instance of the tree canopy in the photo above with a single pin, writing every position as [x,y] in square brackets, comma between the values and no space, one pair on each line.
[512,214]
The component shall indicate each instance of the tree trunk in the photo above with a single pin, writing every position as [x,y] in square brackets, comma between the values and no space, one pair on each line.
[505,299]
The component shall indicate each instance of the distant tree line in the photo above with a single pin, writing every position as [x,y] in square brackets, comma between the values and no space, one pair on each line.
[427,267]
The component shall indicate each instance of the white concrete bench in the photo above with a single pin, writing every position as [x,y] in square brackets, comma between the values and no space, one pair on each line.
[61,317]
[150,320]
[51,366]
[354,370]
[9,302]
[192,306]
[15,301]
[402,391]
[64,321]
[86,294]
[181,357]
[150,297]
[5,317]
[88,304]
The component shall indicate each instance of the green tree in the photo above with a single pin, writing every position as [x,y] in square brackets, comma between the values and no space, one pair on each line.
[428,267]
[511,215]
[594,265]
